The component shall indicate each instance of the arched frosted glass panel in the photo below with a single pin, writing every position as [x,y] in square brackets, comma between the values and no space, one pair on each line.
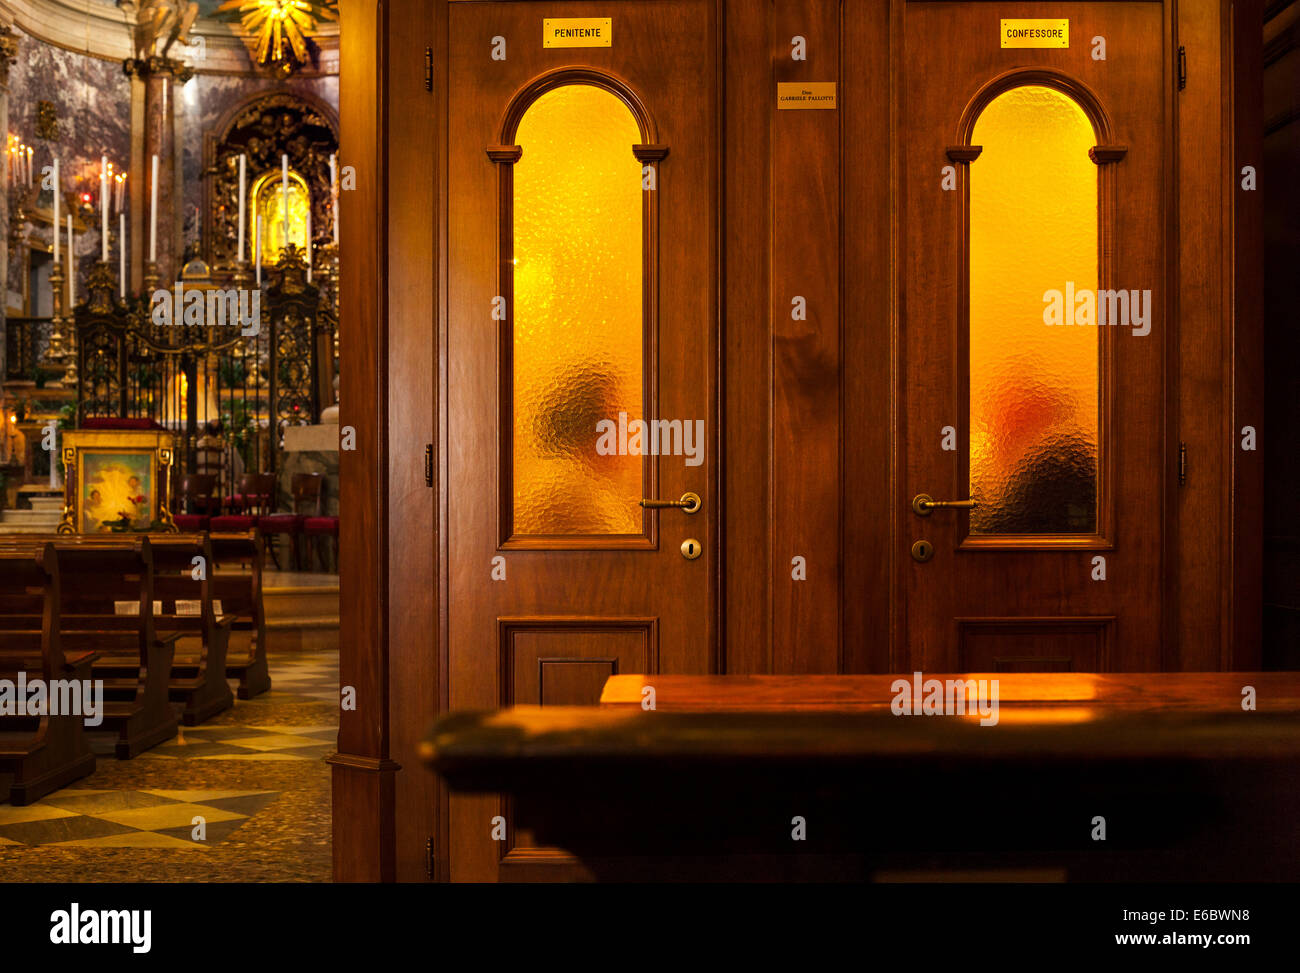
[1034,387]
[578,315]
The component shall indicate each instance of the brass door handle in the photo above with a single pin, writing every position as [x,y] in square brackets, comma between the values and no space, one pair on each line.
[689,503]
[923,503]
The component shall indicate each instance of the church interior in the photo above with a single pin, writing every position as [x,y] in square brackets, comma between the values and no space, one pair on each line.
[562,441]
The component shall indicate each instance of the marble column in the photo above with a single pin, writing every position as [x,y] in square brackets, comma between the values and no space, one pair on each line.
[162,77]
[8,52]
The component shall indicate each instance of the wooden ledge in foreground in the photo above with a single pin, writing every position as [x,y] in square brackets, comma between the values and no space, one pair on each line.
[1220,691]
[1191,786]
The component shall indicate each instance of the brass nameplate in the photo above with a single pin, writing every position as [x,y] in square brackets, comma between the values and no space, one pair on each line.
[805,94]
[577,32]
[1052,32]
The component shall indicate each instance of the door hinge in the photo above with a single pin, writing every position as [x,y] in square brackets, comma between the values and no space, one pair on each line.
[428,69]
[1182,463]
[428,465]
[430,862]
[1182,67]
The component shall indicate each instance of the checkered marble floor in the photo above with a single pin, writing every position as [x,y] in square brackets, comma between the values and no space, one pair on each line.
[77,817]
[255,774]
[303,676]
[274,742]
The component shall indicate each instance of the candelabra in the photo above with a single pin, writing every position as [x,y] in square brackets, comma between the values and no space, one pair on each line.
[56,351]
[70,359]
[242,276]
[150,279]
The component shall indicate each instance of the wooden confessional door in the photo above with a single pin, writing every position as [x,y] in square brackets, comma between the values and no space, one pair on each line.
[582,297]
[1034,183]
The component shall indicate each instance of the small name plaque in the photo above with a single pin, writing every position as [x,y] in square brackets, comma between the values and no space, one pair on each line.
[1036,33]
[805,94]
[577,32]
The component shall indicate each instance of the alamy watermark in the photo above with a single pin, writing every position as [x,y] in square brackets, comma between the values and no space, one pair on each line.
[946,697]
[1086,307]
[61,697]
[77,926]
[652,437]
[213,308]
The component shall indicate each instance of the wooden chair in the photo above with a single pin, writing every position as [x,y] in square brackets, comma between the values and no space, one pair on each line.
[323,526]
[306,502]
[197,497]
[39,755]
[255,498]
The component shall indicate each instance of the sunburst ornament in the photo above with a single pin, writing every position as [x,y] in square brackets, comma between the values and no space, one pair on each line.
[279,29]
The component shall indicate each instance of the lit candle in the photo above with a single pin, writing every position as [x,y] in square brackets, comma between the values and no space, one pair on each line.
[29,165]
[56,209]
[121,254]
[334,197]
[153,213]
[242,161]
[309,244]
[72,270]
[284,194]
[257,248]
[103,207]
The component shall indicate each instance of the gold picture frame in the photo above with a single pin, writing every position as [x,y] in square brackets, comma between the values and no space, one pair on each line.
[116,481]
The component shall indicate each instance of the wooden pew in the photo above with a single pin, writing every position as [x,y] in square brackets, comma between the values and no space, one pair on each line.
[238,586]
[41,754]
[134,660]
[198,672]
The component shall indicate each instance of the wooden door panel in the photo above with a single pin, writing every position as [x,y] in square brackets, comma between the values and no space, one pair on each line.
[959,599]
[1022,644]
[542,616]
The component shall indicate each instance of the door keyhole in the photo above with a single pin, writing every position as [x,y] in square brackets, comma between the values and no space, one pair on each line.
[691,548]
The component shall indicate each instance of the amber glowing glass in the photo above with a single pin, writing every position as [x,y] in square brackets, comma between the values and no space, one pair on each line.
[577,315]
[1034,387]
[267,201]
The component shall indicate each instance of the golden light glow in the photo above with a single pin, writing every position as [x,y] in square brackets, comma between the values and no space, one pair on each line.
[279,28]
[1033,387]
[578,320]
[267,201]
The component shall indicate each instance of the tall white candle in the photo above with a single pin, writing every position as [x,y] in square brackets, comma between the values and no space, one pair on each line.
[121,254]
[284,194]
[334,197]
[257,249]
[153,213]
[56,210]
[72,270]
[309,244]
[29,165]
[242,161]
[103,207]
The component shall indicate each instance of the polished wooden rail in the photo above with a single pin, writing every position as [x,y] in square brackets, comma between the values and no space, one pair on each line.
[1274,691]
[1188,783]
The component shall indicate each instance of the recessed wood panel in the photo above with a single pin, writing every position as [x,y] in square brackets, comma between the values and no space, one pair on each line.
[564,661]
[1034,644]
[573,682]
